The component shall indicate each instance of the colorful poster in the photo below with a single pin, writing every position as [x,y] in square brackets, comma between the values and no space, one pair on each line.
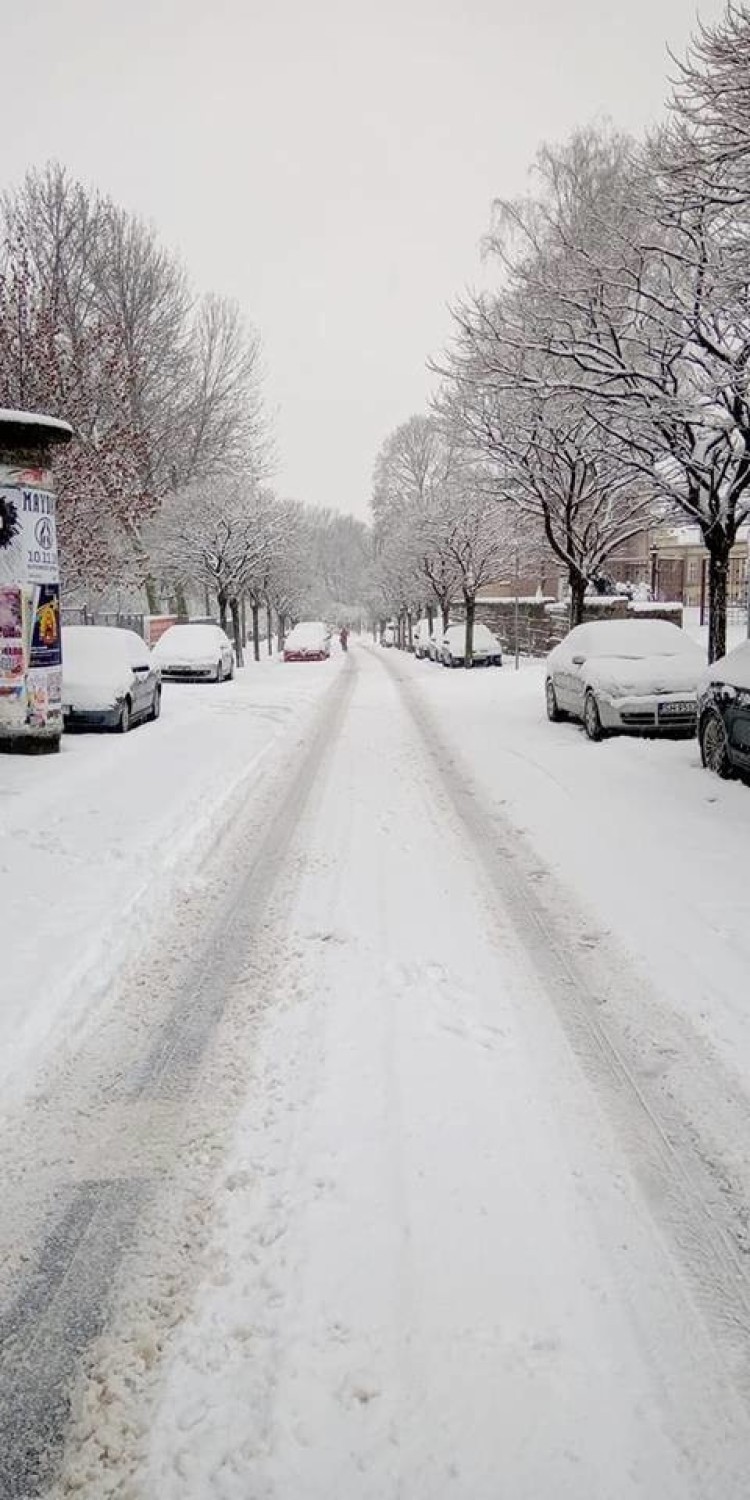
[11,613]
[45,636]
[30,633]
[37,699]
[12,653]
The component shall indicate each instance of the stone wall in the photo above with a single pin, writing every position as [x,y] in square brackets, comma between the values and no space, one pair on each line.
[543,623]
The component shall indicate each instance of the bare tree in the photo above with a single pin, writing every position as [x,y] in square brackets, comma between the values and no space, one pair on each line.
[98,323]
[638,316]
[552,461]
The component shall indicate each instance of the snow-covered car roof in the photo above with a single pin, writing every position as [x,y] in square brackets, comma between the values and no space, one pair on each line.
[628,639]
[190,642]
[98,663]
[308,633]
[96,646]
[482,635]
[734,668]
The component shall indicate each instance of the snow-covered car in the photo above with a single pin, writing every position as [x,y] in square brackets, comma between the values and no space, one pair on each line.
[421,635]
[485,652]
[435,643]
[635,676]
[724,714]
[109,678]
[308,641]
[195,653]
[388,638]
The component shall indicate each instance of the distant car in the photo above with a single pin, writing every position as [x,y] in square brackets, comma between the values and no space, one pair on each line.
[435,643]
[420,638]
[308,641]
[109,678]
[388,638]
[427,642]
[635,676]
[195,653]
[724,714]
[486,650]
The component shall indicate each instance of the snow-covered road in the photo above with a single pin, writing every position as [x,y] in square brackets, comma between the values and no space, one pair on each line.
[392,1176]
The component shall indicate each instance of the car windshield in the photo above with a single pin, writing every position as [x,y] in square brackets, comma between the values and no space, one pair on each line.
[308,633]
[190,640]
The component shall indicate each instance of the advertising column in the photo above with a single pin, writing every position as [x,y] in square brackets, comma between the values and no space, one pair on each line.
[30,624]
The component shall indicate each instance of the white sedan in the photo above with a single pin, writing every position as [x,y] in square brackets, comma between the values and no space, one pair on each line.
[636,676]
[195,653]
[485,652]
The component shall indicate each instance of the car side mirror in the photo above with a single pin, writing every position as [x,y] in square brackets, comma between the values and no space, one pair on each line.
[578,661]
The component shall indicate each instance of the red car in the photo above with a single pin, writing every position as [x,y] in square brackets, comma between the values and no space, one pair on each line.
[308,641]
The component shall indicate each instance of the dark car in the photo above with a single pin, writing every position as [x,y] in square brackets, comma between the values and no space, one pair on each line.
[109,680]
[724,714]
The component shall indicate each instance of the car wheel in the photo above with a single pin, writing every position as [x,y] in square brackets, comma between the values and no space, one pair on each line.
[219,672]
[591,720]
[714,747]
[156,705]
[554,712]
[125,720]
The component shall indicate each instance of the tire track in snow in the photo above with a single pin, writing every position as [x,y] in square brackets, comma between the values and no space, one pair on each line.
[63,1302]
[674,1172]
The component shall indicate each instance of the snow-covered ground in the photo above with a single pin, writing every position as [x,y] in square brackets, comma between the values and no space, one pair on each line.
[653,845]
[95,842]
[441,1121]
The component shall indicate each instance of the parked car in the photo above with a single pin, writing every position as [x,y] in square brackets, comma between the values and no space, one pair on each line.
[435,643]
[308,641]
[421,639]
[195,653]
[724,714]
[109,678]
[388,638]
[485,652]
[635,676]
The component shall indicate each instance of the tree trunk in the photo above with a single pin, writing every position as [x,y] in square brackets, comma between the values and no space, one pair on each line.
[281,631]
[577,596]
[445,610]
[409,631]
[471,606]
[430,619]
[207,600]
[152,596]
[269,629]
[222,598]
[244,619]
[237,630]
[255,610]
[718,572]
[181,602]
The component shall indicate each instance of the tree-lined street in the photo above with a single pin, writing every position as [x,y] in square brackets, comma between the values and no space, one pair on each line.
[386,1077]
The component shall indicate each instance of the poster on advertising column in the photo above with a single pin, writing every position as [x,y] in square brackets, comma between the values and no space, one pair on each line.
[12,645]
[30,625]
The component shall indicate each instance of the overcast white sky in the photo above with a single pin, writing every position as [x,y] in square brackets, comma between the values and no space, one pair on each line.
[328,162]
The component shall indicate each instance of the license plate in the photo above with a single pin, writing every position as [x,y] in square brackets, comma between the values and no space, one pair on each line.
[685,706]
